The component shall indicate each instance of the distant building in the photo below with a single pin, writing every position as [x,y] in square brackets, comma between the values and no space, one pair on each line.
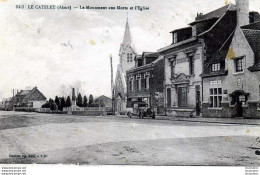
[7,104]
[29,98]
[145,81]
[103,101]
[127,55]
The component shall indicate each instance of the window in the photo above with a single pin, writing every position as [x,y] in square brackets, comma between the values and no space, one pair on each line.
[215,67]
[130,85]
[131,57]
[147,82]
[215,97]
[239,64]
[128,57]
[191,62]
[172,69]
[259,92]
[139,84]
[182,96]
[169,97]
[175,38]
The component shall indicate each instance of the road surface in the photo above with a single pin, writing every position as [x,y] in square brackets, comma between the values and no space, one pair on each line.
[53,138]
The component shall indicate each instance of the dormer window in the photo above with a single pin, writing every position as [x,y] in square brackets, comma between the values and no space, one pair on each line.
[215,67]
[239,64]
[175,38]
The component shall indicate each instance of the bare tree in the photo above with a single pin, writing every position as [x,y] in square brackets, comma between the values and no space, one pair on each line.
[64,91]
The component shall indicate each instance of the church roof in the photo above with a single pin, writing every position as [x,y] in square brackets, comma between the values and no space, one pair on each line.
[127,41]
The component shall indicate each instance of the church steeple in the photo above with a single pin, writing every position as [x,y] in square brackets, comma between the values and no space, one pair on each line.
[127,40]
[127,51]
[127,36]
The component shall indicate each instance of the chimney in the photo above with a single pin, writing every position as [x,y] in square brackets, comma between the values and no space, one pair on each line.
[242,12]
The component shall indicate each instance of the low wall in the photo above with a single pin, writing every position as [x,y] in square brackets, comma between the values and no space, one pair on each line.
[88,113]
[39,110]
[177,112]
[251,110]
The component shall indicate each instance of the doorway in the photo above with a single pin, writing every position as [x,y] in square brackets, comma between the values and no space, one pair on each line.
[239,97]
[182,96]
[198,102]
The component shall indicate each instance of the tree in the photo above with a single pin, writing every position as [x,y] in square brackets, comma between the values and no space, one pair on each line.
[68,102]
[57,101]
[46,105]
[79,100]
[85,101]
[62,103]
[90,100]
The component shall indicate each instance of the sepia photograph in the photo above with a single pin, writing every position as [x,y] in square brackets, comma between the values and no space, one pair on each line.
[146,83]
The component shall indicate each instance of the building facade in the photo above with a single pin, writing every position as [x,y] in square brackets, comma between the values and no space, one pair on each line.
[127,55]
[183,65]
[232,89]
[145,81]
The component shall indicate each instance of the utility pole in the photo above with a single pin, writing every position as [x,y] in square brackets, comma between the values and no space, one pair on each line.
[111,64]
[13,100]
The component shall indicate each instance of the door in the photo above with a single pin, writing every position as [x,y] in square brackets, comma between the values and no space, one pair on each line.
[197,100]
[169,97]
[182,96]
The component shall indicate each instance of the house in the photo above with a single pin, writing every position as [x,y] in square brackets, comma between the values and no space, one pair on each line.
[103,101]
[127,55]
[232,82]
[29,98]
[191,49]
[145,81]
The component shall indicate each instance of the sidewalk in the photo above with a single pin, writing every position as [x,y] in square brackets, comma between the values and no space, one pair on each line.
[213,120]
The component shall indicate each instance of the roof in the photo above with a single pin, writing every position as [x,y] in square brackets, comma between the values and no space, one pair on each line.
[32,91]
[23,92]
[103,96]
[154,54]
[252,26]
[127,41]
[253,38]
[216,13]
[184,28]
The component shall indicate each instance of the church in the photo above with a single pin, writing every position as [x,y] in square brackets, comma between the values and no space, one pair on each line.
[127,55]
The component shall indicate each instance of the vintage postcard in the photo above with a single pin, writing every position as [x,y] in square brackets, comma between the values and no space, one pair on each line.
[138,82]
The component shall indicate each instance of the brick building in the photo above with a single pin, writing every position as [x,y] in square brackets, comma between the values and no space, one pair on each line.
[145,81]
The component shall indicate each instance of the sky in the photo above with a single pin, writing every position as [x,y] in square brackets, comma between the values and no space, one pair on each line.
[56,50]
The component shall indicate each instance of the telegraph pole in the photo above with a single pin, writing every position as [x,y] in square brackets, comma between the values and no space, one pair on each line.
[111,65]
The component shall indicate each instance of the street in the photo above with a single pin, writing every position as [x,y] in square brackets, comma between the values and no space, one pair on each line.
[105,140]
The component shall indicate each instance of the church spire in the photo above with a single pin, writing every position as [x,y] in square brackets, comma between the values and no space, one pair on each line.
[127,36]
